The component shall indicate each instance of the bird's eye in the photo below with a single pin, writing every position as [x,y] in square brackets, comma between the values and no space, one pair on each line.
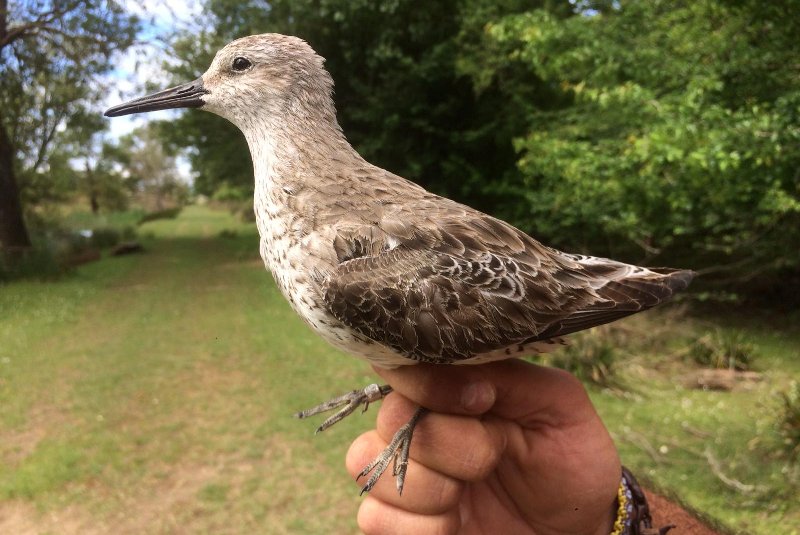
[241,64]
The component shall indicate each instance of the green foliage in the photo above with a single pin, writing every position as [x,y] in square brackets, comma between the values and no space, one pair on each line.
[591,356]
[62,242]
[227,234]
[724,349]
[677,135]
[226,192]
[38,262]
[52,255]
[167,213]
[121,221]
[668,131]
[152,172]
[50,59]
[106,237]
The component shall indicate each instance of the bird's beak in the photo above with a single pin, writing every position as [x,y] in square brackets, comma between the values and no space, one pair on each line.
[181,96]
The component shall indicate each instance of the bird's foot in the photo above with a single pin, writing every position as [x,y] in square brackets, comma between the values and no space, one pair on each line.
[351,401]
[397,450]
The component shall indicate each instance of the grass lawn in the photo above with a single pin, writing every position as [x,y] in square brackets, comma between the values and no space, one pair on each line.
[153,394]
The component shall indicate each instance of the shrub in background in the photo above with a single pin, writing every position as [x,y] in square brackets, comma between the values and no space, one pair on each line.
[39,262]
[167,213]
[591,356]
[789,421]
[723,349]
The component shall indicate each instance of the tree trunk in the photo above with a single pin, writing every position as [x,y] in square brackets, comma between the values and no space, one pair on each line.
[13,233]
[91,186]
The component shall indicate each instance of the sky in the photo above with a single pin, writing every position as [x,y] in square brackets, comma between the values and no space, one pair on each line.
[143,62]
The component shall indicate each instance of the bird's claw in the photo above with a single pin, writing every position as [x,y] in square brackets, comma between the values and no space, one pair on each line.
[351,401]
[397,451]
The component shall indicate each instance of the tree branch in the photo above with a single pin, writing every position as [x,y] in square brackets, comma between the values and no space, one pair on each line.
[43,21]
[729,482]
[3,21]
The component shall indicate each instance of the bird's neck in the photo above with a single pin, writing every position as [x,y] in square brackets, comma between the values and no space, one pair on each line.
[291,151]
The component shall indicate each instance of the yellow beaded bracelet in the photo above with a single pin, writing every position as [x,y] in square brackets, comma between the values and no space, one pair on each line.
[621,523]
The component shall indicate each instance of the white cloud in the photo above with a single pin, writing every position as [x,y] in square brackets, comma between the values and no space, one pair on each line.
[161,14]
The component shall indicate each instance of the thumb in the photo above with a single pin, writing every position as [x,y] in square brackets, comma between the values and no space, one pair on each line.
[512,389]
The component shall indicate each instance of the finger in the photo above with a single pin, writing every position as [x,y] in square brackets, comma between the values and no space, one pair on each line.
[512,389]
[453,389]
[462,447]
[376,517]
[426,491]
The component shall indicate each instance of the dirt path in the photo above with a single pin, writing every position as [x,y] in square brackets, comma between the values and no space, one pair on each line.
[667,512]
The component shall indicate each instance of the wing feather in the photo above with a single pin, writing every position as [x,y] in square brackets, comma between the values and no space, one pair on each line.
[464,284]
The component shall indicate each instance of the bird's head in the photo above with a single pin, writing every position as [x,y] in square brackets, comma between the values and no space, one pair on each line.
[250,80]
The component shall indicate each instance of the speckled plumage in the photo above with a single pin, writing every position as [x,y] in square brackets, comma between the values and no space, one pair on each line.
[382,268]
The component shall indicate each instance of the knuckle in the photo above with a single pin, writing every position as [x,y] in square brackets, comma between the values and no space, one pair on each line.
[482,458]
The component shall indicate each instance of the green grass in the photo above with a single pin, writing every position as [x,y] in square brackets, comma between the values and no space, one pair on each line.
[164,383]
[716,452]
[153,394]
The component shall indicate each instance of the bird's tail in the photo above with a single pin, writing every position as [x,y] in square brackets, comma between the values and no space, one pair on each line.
[621,290]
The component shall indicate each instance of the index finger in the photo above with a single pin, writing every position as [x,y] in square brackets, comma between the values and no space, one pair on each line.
[511,389]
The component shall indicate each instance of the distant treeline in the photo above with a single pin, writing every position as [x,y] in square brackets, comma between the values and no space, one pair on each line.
[658,131]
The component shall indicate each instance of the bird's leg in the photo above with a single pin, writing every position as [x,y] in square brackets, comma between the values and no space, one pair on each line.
[397,450]
[351,401]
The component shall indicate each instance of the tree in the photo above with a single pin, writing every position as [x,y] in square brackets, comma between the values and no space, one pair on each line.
[676,137]
[49,54]
[151,168]
[97,165]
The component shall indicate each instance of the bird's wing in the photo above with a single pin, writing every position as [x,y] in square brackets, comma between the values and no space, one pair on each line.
[460,284]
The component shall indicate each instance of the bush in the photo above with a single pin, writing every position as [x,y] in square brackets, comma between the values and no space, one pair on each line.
[104,237]
[590,356]
[107,237]
[723,349]
[789,421]
[244,211]
[167,213]
[57,249]
[228,234]
[229,193]
[39,262]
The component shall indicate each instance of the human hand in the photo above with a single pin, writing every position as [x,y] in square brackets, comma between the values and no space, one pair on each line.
[508,447]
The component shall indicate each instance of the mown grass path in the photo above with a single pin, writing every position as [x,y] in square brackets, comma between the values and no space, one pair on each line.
[154,394]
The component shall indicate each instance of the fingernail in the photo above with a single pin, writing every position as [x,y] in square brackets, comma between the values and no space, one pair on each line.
[477,397]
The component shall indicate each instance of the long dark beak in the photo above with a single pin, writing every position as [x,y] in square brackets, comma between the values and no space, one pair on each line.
[181,96]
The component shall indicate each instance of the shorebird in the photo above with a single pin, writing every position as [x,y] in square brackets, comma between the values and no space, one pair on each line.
[374,263]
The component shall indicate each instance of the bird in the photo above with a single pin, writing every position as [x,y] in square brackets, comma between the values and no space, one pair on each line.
[377,265]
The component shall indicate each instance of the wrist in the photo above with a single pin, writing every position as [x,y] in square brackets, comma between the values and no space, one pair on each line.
[631,511]
[606,523]
[623,508]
